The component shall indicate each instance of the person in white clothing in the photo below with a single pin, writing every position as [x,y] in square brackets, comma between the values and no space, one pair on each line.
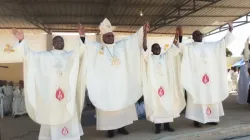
[206,85]
[4,102]
[230,82]
[234,77]
[9,94]
[113,78]
[50,89]
[18,106]
[243,83]
[163,95]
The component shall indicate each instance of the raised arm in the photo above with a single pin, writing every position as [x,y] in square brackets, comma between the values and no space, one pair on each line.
[177,34]
[18,34]
[11,54]
[81,31]
[21,46]
[146,28]
[229,38]
[178,39]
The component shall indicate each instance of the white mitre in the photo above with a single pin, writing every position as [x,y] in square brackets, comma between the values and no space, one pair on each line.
[105,27]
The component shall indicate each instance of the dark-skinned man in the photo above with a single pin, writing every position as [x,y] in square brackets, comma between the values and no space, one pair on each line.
[114,77]
[50,88]
[163,95]
[206,85]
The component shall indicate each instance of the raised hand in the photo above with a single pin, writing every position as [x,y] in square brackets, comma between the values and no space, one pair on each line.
[146,26]
[18,34]
[230,25]
[81,30]
[180,30]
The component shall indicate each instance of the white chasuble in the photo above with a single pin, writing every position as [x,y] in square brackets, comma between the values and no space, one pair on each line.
[114,73]
[50,83]
[163,95]
[204,76]
[204,70]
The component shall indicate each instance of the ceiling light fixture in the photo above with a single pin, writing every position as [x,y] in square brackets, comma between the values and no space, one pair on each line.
[141,14]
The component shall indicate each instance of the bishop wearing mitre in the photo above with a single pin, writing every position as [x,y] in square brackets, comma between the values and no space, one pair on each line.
[113,77]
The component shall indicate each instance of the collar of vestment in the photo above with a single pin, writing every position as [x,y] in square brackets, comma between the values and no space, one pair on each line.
[198,43]
[58,51]
[156,56]
[109,45]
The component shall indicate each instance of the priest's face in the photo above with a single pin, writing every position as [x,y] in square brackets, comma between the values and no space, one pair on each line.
[197,36]
[156,49]
[108,38]
[58,43]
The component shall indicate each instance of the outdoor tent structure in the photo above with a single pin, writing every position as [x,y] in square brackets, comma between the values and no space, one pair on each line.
[127,15]
[233,61]
[50,16]
[239,63]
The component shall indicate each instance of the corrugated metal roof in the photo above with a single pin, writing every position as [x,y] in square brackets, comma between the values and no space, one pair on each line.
[64,15]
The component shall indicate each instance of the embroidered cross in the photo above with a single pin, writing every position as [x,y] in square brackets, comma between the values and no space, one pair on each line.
[161,91]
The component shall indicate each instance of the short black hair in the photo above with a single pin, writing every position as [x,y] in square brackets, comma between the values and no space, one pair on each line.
[57,37]
[155,44]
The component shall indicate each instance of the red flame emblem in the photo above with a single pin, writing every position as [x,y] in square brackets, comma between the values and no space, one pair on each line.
[209,111]
[59,94]
[205,79]
[65,131]
[161,91]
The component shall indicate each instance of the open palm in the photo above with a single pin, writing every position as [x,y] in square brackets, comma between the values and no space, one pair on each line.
[18,34]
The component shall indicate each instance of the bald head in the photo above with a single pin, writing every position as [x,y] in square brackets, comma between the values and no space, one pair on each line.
[197,36]
[156,49]
[58,43]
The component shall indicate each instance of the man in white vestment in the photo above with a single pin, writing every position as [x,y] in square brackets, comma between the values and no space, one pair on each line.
[243,83]
[4,99]
[229,78]
[206,85]
[163,94]
[18,106]
[50,88]
[3,108]
[8,97]
[114,77]
[9,94]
